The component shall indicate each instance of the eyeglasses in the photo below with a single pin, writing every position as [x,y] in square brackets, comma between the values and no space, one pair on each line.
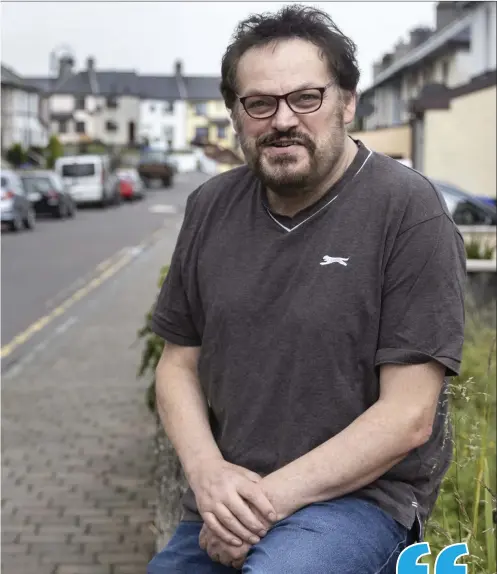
[306,101]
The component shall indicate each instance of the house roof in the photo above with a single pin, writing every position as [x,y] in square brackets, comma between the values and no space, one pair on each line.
[10,78]
[158,87]
[457,31]
[121,83]
[203,88]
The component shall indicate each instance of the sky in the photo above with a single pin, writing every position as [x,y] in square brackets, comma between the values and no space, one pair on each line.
[149,36]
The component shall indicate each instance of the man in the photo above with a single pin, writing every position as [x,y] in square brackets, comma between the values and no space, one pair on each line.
[313,307]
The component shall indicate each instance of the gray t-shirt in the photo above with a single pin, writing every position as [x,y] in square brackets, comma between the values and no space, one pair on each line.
[294,316]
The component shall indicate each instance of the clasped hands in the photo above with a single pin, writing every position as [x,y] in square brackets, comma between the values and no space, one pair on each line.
[237,509]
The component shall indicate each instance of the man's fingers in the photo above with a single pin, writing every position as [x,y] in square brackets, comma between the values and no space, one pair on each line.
[234,518]
[257,498]
[253,476]
[248,519]
[224,534]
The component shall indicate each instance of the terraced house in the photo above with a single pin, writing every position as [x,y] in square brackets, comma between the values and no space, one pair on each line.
[124,108]
[432,102]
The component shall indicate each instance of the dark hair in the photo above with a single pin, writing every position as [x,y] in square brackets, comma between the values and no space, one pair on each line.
[295,21]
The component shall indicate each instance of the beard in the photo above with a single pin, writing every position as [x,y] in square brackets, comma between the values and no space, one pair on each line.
[290,174]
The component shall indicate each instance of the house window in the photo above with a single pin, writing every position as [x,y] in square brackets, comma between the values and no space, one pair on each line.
[80,127]
[111,126]
[221,132]
[80,103]
[201,109]
[62,126]
[168,108]
[445,72]
[112,102]
[201,134]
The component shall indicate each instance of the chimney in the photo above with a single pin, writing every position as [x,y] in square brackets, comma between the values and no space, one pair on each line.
[92,75]
[447,12]
[178,68]
[180,80]
[419,36]
[386,61]
[377,69]
[401,49]
[65,67]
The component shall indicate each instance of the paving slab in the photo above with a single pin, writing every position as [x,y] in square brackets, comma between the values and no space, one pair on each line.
[78,459]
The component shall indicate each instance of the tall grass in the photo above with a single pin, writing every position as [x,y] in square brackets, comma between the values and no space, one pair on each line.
[465,509]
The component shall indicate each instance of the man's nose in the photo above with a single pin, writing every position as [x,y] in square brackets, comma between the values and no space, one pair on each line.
[284,119]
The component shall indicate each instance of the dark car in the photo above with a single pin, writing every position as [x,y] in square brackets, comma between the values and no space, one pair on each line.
[16,211]
[466,209]
[155,165]
[52,195]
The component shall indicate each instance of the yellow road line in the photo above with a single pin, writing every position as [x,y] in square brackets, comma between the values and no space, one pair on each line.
[107,271]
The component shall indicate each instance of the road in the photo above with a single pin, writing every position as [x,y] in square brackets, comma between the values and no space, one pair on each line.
[45,270]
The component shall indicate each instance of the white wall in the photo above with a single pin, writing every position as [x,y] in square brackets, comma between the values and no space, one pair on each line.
[20,119]
[483,38]
[155,123]
[62,104]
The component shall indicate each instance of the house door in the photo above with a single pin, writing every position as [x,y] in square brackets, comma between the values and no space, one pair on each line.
[131,132]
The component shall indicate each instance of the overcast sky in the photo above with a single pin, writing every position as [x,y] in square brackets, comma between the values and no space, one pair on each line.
[149,36]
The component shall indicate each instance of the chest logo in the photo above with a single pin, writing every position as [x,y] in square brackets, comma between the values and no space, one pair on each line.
[327,260]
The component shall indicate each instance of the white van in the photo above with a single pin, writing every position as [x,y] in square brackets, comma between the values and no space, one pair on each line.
[89,178]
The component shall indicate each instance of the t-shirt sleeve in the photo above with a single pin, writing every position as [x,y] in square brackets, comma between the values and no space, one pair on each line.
[422,315]
[172,317]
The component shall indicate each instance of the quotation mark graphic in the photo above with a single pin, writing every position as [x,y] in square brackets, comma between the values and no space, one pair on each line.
[445,563]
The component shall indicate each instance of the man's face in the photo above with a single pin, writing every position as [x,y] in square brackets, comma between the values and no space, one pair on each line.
[317,139]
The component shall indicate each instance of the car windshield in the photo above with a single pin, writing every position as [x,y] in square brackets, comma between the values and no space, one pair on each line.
[78,169]
[153,155]
[34,183]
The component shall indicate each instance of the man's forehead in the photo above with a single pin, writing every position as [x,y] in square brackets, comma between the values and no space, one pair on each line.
[283,65]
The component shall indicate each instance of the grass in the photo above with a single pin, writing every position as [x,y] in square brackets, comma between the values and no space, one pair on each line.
[466,506]
[465,509]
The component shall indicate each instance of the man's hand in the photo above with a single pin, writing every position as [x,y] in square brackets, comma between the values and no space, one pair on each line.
[221,552]
[231,502]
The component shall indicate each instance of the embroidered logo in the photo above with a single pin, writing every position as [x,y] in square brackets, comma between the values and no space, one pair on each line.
[327,260]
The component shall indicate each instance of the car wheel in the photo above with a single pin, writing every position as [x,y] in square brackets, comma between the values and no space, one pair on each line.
[71,209]
[30,221]
[17,223]
[166,182]
[62,210]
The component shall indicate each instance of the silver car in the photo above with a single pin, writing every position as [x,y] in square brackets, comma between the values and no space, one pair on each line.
[16,209]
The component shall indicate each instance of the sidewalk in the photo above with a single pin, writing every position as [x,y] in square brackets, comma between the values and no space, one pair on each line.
[77,439]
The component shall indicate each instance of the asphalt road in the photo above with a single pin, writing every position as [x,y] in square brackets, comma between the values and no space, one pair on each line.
[42,269]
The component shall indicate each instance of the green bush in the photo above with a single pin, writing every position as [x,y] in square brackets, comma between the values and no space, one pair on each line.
[477,248]
[16,155]
[152,350]
[466,506]
[54,150]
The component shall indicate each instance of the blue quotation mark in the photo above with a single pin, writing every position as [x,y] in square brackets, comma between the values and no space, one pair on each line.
[444,564]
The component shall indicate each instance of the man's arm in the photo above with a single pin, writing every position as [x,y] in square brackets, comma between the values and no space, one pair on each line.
[221,489]
[400,421]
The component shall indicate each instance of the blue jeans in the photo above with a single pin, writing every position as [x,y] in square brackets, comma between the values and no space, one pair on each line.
[342,536]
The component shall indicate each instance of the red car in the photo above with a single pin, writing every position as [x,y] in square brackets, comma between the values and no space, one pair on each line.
[130,184]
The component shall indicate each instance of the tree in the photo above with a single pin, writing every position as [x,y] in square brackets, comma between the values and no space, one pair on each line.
[54,150]
[16,155]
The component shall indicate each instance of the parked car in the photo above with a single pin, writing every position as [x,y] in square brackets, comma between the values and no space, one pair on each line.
[130,184]
[466,209]
[89,177]
[54,196]
[155,165]
[16,210]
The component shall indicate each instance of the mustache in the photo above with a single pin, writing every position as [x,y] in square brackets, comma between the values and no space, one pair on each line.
[288,136]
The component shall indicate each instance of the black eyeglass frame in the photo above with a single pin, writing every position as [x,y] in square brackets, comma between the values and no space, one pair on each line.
[285,97]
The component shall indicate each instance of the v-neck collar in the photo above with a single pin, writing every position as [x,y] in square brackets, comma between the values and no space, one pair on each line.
[291,223]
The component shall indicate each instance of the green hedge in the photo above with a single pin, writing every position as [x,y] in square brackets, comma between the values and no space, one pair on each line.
[466,507]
